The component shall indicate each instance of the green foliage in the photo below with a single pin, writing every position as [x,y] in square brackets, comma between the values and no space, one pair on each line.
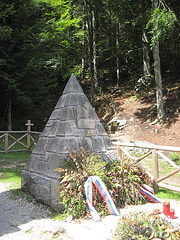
[122,182]
[43,42]
[161,25]
[38,45]
[140,225]
[20,157]
[11,166]
[167,194]
[6,10]
[175,157]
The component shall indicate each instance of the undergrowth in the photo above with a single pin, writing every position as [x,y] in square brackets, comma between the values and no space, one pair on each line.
[121,180]
[141,226]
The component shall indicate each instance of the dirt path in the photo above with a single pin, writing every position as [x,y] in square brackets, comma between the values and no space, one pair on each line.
[21,219]
[139,128]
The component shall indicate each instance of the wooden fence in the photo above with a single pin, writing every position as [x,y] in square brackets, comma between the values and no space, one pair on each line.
[155,150]
[25,140]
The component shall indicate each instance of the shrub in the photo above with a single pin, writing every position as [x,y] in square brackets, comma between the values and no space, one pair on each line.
[122,182]
[175,157]
[140,225]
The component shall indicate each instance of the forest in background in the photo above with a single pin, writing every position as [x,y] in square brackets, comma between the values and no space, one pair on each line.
[106,44]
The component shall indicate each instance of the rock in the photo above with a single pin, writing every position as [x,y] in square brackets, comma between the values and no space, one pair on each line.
[131,119]
[26,228]
[57,230]
[36,215]
[54,228]
[140,150]
[69,219]
[13,223]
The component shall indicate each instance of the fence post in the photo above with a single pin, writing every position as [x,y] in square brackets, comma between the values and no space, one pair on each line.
[28,124]
[119,151]
[6,143]
[155,170]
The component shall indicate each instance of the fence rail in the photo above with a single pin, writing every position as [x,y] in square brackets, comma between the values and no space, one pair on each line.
[155,150]
[24,139]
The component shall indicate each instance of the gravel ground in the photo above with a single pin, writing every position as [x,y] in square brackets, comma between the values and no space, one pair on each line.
[21,219]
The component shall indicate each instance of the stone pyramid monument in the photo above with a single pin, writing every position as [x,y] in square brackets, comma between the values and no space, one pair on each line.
[72,124]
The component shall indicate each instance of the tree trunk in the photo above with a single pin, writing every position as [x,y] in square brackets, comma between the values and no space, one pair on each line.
[83,52]
[145,43]
[88,10]
[110,42]
[94,49]
[157,75]
[117,49]
[9,119]
[158,81]
[146,58]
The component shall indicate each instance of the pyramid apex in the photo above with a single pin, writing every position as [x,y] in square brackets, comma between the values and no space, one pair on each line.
[73,86]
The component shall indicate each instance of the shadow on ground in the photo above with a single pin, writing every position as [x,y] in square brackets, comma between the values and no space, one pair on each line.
[15,212]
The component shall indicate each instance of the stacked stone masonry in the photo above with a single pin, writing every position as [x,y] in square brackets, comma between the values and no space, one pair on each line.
[72,124]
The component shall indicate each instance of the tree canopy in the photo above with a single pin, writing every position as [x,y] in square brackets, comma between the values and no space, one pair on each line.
[102,42]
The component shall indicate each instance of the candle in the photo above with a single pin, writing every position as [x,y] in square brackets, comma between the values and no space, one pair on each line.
[166,208]
[172,212]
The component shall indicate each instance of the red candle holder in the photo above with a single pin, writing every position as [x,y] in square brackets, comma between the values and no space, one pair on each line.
[166,208]
[172,214]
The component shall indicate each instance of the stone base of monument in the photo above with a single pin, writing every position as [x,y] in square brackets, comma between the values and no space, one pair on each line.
[44,189]
[73,124]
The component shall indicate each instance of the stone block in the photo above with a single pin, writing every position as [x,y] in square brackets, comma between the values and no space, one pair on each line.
[73,86]
[53,144]
[54,115]
[83,113]
[98,144]
[44,157]
[112,154]
[41,188]
[108,143]
[46,132]
[50,129]
[25,180]
[71,100]
[66,113]
[86,123]
[86,143]
[66,143]
[79,133]
[41,167]
[40,146]
[61,102]
[82,101]
[66,128]
[53,129]
[56,200]
[100,129]
[54,161]
[108,156]
[50,123]
[89,132]
[32,162]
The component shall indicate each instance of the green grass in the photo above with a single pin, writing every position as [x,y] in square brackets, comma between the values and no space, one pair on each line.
[167,194]
[22,156]
[11,165]
[17,146]
[164,168]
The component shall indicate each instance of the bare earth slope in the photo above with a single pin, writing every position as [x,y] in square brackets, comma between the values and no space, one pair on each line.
[139,115]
